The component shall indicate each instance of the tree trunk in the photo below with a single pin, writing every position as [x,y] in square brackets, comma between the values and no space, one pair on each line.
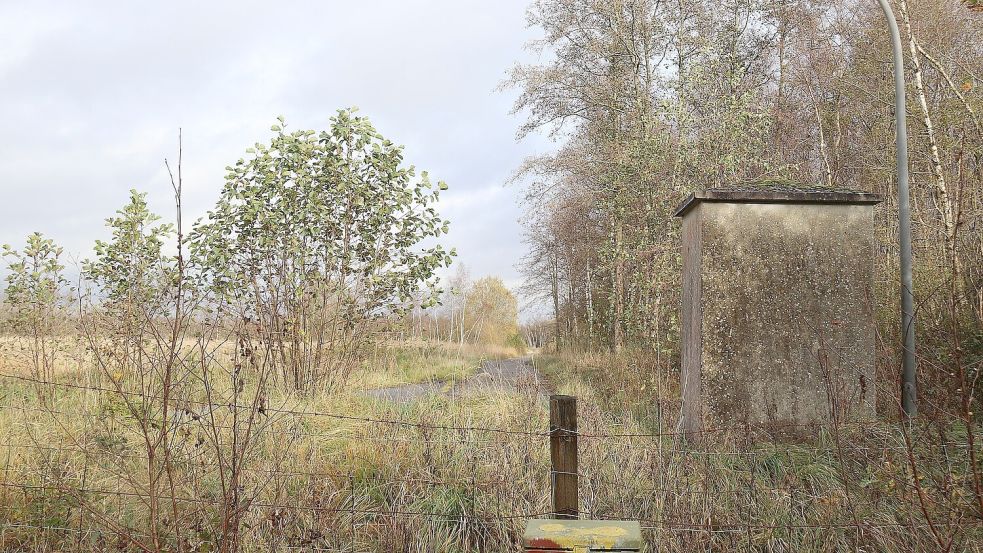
[554,281]
[942,193]
[617,338]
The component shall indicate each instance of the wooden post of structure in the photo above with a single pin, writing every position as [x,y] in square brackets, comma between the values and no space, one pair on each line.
[563,456]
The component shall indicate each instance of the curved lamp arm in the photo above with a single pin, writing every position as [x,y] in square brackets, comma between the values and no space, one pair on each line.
[909,392]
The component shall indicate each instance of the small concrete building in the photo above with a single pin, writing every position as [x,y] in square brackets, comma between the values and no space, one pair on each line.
[777,316]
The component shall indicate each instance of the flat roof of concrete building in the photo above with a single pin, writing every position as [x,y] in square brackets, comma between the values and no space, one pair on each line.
[775,193]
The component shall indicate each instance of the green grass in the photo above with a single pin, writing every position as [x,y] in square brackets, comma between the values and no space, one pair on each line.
[415,363]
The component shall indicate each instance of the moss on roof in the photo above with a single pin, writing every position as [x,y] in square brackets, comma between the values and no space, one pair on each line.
[780,185]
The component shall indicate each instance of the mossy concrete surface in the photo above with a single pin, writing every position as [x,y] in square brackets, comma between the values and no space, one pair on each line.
[778,326]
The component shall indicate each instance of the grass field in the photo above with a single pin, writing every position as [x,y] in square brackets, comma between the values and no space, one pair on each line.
[338,471]
[414,363]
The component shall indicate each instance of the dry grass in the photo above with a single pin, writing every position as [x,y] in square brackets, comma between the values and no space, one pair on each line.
[430,478]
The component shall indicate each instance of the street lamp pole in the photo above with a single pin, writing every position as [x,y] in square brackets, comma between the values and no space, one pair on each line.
[908,389]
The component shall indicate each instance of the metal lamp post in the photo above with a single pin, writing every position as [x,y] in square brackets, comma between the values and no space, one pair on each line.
[908,389]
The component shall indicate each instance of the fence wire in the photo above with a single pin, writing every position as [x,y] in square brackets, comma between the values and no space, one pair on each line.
[475,486]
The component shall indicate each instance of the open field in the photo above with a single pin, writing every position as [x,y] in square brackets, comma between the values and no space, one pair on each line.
[342,472]
[660,283]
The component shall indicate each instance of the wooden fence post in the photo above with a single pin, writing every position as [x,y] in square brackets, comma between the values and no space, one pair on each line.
[563,456]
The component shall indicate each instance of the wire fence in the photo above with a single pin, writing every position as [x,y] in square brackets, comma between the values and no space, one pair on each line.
[312,479]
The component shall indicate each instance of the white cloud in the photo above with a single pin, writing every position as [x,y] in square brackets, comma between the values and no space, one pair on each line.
[92,96]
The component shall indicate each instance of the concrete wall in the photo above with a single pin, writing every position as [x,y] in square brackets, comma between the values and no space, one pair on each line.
[691,320]
[777,313]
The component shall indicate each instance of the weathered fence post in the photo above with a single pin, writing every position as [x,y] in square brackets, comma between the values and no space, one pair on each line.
[563,456]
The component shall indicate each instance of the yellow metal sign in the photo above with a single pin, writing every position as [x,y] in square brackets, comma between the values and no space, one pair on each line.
[582,535]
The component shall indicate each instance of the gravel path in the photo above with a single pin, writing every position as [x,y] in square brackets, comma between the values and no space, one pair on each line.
[506,374]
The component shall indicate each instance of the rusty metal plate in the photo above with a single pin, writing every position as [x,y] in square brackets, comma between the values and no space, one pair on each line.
[582,536]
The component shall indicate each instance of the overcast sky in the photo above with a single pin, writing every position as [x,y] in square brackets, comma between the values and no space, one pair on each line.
[92,95]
